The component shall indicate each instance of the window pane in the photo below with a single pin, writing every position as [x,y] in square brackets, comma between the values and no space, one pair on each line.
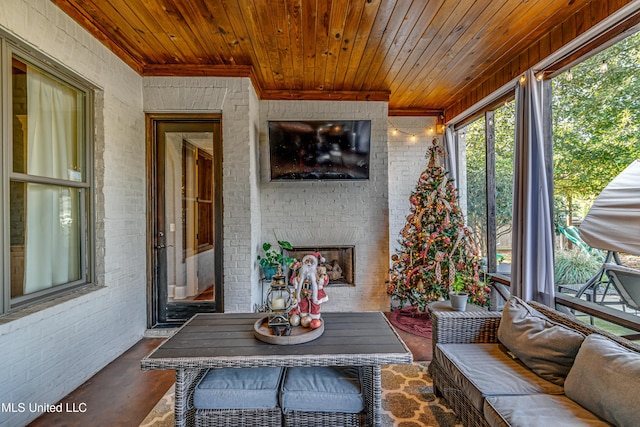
[504,144]
[48,118]
[45,237]
[596,135]
[476,158]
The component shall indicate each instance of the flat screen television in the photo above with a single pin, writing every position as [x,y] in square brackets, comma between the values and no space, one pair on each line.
[319,150]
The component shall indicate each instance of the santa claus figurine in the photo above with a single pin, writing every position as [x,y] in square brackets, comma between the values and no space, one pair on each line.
[309,291]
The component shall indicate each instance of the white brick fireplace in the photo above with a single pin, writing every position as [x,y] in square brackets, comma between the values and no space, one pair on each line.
[333,213]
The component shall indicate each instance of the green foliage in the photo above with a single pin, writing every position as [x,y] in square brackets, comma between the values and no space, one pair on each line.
[435,246]
[504,126]
[596,119]
[458,285]
[596,132]
[477,182]
[574,267]
[274,257]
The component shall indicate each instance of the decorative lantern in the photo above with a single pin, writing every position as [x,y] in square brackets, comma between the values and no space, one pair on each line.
[279,301]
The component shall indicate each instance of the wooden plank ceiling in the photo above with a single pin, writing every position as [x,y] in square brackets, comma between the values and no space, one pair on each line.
[420,55]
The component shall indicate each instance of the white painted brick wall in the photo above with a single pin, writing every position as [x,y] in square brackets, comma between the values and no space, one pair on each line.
[406,163]
[333,213]
[51,351]
[235,98]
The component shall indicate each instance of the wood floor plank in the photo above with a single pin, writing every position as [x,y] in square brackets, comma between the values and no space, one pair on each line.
[119,395]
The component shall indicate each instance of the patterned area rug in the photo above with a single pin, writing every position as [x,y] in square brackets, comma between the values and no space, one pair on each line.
[407,401]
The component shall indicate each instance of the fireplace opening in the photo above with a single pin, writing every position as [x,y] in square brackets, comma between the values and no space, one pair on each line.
[339,261]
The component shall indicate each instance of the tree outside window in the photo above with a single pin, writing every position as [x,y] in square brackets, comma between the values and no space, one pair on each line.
[596,135]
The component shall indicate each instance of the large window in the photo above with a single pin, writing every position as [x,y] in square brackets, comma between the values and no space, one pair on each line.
[487,183]
[596,135]
[46,249]
[475,148]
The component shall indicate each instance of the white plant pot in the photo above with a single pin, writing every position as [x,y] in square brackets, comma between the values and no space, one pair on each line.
[458,301]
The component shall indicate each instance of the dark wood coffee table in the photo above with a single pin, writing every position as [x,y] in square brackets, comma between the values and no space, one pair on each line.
[364,339]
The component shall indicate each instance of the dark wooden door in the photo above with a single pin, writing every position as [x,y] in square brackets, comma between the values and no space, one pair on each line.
[185,217]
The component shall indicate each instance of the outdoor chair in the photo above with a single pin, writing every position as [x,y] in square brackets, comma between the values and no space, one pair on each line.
[626,282]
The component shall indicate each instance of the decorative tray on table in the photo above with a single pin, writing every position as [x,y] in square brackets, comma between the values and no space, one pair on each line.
[298,334]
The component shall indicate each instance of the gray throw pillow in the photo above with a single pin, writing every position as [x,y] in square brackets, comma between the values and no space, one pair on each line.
[604,379]
[546,347]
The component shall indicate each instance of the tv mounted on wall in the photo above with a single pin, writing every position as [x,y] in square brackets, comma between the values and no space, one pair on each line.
[319,150]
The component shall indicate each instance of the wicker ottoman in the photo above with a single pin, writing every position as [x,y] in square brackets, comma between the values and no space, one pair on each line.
[322,396]
[238,397]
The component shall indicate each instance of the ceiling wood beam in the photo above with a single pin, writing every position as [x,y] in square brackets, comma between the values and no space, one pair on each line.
[196,70]
[326,95]
[416,112]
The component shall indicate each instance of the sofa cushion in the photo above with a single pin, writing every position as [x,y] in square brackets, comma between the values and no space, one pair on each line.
[605,379]
[322,389]
[238,388]
[538,410]
[481,370]
[546,347]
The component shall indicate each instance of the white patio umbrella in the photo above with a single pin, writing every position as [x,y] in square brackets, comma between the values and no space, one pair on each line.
[613,222]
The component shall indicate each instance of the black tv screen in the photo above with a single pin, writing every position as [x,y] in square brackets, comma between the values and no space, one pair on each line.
[319,150]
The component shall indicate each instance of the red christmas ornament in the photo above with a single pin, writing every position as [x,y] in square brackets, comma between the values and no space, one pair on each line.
[315,323]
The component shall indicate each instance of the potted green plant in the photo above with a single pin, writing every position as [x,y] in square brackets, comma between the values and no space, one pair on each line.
[457,296]
[274,258]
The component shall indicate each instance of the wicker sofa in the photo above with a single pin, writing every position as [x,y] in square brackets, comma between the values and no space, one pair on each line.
[487,385]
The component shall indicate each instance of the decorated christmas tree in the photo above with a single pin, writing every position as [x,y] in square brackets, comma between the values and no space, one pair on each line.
[435,244]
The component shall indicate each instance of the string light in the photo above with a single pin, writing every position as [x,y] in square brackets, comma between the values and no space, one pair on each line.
[540,76]
[569,76]
[413,137]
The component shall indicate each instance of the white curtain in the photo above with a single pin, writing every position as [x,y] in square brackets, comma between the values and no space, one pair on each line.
[532,275]
[451,146]
[52,223]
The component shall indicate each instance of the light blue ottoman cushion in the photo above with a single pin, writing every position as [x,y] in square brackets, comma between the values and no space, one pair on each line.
[238,388]
[322,389]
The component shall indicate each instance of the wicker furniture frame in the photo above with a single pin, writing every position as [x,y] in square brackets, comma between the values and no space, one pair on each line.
[482,327]
[322,419]
[364,339]
[238,417]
